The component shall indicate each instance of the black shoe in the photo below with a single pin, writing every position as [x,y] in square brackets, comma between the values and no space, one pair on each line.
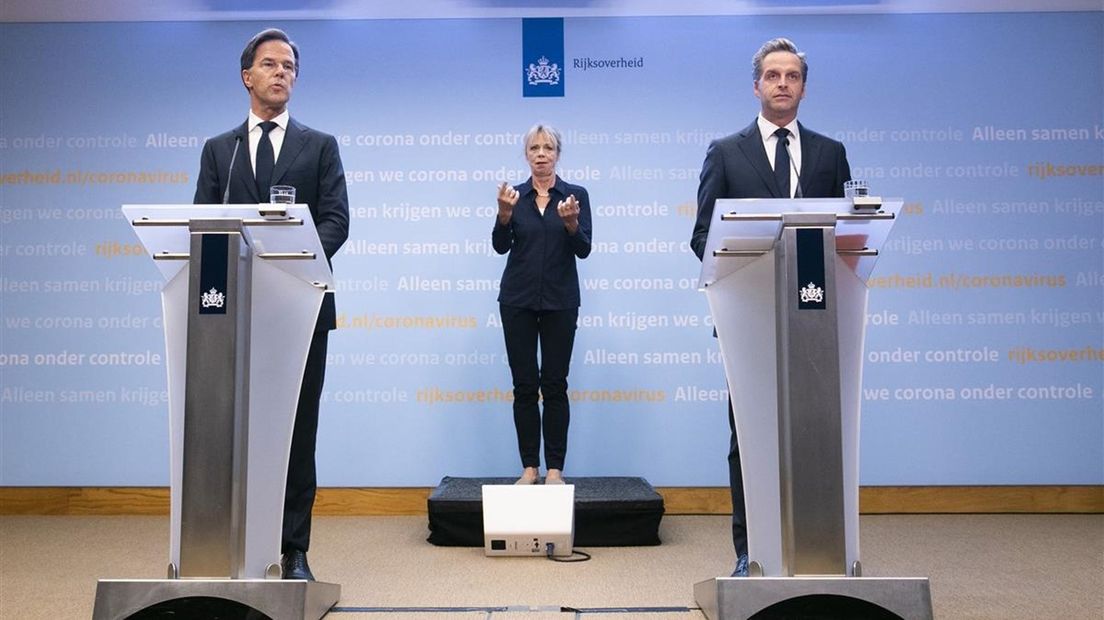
[295,565]
[741,566]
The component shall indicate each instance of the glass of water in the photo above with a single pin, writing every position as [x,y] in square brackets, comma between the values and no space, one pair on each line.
[281,194]
[854,187]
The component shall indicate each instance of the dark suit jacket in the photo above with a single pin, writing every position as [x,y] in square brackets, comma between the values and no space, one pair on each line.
[736,166]
[309,161]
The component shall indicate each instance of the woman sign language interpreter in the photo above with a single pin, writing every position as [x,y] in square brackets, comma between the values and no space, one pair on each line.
[539,298]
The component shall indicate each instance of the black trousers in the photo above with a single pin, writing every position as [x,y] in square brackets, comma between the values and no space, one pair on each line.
[736,488]
[554,330]
[302,480]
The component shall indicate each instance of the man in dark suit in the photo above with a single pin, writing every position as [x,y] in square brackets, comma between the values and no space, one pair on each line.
[762,161]
[271,148]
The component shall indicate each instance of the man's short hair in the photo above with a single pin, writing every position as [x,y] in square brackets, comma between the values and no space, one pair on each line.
[249,54]
[781,44]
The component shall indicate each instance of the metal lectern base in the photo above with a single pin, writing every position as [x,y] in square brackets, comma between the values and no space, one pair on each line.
[276,598]
[739,598]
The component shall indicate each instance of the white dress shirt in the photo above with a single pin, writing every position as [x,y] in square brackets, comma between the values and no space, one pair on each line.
[766,131]
[276,136]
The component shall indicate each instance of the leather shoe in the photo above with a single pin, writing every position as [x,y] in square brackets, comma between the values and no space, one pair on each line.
[740,571]
[295,565]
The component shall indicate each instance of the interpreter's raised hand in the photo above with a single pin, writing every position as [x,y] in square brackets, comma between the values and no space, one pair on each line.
[507,200]
[569,213]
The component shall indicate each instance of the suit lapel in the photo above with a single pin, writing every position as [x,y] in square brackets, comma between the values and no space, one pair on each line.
[294,141]
[243,176]
[751,144]
[810,157]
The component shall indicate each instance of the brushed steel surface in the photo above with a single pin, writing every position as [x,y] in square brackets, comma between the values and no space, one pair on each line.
[304,255]
[216,414]
[727,252]
[751,217]
[866,216]
[809,410]
[739,598]
[117,599]
[146,221]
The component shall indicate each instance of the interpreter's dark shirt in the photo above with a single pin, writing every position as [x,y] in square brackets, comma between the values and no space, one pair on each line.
[540,272]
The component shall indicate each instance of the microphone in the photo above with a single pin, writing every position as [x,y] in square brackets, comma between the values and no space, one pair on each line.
[230,172]
[798,193]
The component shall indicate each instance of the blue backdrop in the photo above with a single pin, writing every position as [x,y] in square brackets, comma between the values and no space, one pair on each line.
[986,329]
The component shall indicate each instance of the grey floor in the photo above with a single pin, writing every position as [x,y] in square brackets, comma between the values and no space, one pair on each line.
[980,566]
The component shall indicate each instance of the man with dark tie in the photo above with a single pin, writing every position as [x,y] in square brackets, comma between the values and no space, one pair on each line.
[271,148]
[773,157]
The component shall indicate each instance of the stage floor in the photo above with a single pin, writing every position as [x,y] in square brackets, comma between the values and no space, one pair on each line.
[1010,567]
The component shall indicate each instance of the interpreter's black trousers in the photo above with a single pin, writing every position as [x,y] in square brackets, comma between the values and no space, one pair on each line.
[554,332]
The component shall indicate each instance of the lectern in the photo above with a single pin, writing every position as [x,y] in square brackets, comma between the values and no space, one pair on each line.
[244,285]
[786,284]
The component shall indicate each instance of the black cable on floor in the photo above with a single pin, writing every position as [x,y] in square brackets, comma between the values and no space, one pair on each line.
[549,548]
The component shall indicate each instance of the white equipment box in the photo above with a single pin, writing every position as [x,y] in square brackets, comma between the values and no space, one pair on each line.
[523,519]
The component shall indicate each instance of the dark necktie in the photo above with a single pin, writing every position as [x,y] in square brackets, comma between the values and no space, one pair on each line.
[781,162]
[266,161]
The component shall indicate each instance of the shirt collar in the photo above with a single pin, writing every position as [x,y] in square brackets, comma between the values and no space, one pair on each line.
[767,128]
[281,120]
[559,186]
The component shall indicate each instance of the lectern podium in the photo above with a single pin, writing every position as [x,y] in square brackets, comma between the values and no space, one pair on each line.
[244,285]
[786,284]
